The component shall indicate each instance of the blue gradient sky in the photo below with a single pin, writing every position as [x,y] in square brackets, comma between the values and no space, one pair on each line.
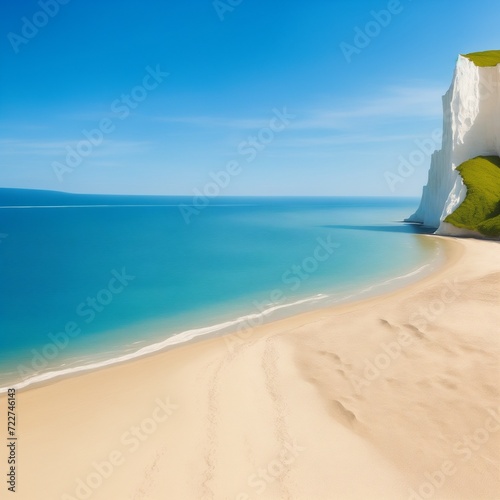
[353,121]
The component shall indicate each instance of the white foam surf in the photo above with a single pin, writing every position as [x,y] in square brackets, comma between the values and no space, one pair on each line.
[175,339]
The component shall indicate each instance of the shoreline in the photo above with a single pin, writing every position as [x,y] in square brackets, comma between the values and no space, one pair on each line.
[297,307]
[272,415]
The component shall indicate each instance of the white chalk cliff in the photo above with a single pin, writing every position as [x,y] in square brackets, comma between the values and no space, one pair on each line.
[471,128]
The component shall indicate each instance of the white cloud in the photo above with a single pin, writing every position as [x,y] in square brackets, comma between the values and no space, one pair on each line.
[394,103]
[108,147]
[216,121]
[343,139]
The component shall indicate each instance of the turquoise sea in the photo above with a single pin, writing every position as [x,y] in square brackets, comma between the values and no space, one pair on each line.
[88,279]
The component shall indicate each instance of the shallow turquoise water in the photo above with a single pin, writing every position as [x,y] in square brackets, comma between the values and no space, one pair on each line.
[124,276]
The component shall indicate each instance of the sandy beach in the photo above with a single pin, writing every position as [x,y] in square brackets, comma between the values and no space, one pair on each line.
[393,397]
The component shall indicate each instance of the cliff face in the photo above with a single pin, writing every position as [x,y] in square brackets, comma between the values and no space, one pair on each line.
[471,128]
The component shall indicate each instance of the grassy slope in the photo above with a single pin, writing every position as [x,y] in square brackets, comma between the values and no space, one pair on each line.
[480,211]
[487,58]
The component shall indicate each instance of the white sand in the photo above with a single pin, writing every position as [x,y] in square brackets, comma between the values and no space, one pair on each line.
[311,407]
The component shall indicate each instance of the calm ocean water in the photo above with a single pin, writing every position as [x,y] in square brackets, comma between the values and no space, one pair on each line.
[84,284]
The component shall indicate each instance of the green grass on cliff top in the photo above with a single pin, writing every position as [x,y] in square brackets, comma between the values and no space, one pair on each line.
[480,211]
[483,59]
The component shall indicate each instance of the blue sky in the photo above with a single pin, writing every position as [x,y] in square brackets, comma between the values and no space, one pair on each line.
[353,107]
